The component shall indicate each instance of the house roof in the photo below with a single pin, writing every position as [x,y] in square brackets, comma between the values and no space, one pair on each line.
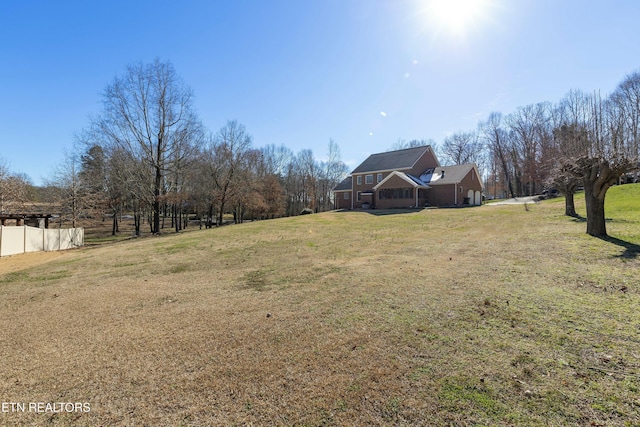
[345,185]
[452,174]
[392,160]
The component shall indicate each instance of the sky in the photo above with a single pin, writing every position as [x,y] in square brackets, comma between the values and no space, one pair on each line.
[364,73]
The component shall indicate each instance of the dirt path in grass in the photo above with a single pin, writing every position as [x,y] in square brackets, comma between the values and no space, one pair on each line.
[11,263]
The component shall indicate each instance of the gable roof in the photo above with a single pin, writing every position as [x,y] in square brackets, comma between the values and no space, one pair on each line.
[345,185]
[392,160]
[415,182]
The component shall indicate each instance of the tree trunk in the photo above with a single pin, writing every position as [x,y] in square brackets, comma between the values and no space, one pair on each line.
[210,216]
[164,216]
[596,225]
[114,228]
[136,223]
[221,214]
[156,201]
[569,205]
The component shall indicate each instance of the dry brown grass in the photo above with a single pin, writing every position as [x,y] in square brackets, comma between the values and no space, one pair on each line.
[482,316]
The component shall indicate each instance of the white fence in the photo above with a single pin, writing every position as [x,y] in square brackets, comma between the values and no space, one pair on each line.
[21,239]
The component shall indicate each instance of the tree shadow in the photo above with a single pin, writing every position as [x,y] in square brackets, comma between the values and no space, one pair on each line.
[578,218]
[385,212]
[631,250]
[381,212]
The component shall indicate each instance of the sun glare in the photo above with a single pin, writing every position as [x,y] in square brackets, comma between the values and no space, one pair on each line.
[456,17]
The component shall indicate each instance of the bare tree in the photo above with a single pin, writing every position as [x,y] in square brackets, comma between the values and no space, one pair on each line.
[229,149]
[308,173]
[14,189]
[462,147]
[93,179]
[334,172]
[496,138]
[570,141]
[273,196]
[626,97]
[606,156]
[69,185]
[281,163]
[148,112]
[528,132]
[276,159]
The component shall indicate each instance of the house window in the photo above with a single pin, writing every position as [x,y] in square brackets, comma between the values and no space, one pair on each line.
[396,193]
[359,196]
[379,179]
[346,195]
[359,179]
[368,179]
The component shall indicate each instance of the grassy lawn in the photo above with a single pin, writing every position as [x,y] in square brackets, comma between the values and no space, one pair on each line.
[492,315]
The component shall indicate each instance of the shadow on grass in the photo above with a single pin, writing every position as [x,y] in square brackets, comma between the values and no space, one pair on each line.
[631,250]
[383,212]
[401,211]
[579,218]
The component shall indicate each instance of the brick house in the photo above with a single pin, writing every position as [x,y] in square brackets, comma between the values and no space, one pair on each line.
[408,178]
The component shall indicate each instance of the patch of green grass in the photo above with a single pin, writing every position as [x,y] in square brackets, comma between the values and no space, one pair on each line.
[125,264]
[621,204]
[180,268]
[257,280]
[35,278]
[461,395]
[51,276]
[101,240]
[13,277]
[171,245]
[622,210]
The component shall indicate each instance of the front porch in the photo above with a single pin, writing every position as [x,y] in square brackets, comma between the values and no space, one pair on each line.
[400,191]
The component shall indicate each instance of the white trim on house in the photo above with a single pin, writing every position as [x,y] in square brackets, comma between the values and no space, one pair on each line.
[402,175]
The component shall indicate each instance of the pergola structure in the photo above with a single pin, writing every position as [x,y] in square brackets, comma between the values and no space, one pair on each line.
[26,219]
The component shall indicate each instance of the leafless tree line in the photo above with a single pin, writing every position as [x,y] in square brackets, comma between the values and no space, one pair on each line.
[585,140]
[148,155]
[14,190]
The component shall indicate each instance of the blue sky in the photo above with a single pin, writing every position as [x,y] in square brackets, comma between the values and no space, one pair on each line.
[299,72]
